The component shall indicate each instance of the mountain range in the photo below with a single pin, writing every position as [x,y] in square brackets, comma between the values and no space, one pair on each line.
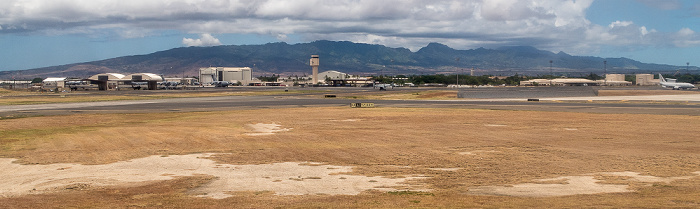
[354,58]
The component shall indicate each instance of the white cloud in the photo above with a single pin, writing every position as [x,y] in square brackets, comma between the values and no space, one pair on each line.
[685,37]
[557,25]
[204,40]
[620,24]
[282,37]
[686,32]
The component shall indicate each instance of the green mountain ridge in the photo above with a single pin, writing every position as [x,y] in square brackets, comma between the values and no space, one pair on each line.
[353,58]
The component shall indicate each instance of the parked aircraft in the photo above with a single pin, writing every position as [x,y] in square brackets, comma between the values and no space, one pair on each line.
[137,85]
[74,85]
[167,84]
[671,83]
[220,83]
[383,86]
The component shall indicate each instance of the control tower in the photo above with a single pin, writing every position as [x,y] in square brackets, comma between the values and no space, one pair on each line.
[314,65]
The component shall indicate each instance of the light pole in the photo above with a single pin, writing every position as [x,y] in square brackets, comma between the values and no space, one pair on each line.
[605,67]
[605,71]
[457,59]
[687,67]
[381,77]
[550,68]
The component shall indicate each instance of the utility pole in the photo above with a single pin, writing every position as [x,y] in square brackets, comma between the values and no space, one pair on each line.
[550,68]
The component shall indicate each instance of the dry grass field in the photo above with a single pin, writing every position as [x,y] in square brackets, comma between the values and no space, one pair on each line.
[450,158]
[10,97]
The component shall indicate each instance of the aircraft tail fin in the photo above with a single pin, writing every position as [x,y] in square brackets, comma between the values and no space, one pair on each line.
[661,78]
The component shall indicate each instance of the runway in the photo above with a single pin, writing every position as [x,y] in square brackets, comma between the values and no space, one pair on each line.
[686,105]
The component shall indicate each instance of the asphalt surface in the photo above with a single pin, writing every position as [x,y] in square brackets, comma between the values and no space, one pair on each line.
[527,92]
[584,104]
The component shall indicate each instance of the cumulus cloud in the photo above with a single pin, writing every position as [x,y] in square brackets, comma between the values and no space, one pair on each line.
[557,25]
[204,40]
[686,37]
[620,24]
[644,30]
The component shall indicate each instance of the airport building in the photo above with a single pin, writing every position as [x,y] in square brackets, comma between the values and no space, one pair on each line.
[646,80]
[615,80]
[230,74]
[54,82]
[150,79]
[332,74]
[614,77]
[610,80]
[107,81]
[337,78]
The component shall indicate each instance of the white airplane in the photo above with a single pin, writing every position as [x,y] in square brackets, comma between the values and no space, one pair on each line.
[671,83]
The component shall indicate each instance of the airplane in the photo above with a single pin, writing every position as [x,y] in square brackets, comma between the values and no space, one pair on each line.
[219,83]
[384,87]
[137,85]
[671,83]
[73,85]
[167,84]
[76,83]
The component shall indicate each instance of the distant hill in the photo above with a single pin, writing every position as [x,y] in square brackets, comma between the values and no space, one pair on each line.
[353,58]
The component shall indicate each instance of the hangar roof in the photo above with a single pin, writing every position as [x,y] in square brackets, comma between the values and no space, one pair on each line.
[144,77]
[54,79]
[112,76]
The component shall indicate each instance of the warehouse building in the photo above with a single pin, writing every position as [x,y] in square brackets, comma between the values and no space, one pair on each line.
[229,74]
[646,80]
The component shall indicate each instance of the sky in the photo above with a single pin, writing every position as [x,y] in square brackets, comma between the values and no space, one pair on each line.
[42,33]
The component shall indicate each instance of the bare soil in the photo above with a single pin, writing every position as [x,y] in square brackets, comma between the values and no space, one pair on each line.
[457,151]
[291,178]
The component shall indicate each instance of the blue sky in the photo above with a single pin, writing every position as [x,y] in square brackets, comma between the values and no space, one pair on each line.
[41,33]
